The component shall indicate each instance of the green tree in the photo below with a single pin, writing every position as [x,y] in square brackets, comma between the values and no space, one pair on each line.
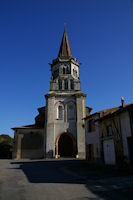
[6,144]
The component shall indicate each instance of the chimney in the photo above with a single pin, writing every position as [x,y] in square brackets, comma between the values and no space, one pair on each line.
[122,102]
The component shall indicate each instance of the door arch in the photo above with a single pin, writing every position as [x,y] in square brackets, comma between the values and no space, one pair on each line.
[65,145]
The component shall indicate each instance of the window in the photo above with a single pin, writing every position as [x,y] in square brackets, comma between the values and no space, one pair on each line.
[66,84]
[70,111]
[109,130]
[31,135]
[68,70]
[60,112]
[55,73]
[72,84]
[64,70]
[60,84]
[91,125]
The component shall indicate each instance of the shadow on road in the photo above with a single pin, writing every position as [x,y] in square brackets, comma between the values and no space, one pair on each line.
[111,191]
[52,171]
[55,171]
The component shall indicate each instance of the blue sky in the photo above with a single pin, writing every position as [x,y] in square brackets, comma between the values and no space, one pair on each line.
[100,35]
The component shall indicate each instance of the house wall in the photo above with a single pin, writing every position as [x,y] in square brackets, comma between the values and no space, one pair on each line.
[121,130]
[92,138]
[115,136]
[28,143]
[126,131]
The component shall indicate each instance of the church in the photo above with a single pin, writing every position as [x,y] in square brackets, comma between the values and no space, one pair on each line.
[59,127]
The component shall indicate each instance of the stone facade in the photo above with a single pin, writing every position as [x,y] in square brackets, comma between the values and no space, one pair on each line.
[59,127]
[28,143]
[71,120]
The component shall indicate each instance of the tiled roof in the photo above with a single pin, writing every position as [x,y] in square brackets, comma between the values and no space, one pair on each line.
[34,126]
[103,114]
[116,111]
[108,111]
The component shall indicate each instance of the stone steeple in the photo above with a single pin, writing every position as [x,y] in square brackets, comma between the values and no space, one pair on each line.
[65,106]
[65,51]
[65,69]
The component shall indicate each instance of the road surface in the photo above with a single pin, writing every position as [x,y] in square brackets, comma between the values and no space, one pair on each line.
[51,180]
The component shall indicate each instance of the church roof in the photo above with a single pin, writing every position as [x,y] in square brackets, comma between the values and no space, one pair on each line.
[65,51]
[31,126]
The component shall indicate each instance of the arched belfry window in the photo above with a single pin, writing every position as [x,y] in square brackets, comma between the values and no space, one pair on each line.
[72,84]
[68,70]
[60,112]
[55,73]
[64,70]
[60,84]
[66,84]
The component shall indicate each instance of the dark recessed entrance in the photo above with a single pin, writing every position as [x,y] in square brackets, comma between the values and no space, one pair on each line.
[65,146]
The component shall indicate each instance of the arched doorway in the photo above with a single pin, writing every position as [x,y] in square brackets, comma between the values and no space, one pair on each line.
[65,145]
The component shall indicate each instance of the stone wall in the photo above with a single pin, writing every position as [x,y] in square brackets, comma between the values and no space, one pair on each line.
[28,143]
[55,126]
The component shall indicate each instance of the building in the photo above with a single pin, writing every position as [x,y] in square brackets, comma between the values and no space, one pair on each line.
[116,135]
[59,127]
[92,137]
[111,132]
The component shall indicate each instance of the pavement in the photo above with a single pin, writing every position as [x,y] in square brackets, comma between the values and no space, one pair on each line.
[67,179]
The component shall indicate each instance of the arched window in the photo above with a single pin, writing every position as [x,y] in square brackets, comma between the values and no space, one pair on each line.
[64,70]
[72,85]
[66,84]
[60,84]
[68,70]
[60,112]
[55,73]
[70,111]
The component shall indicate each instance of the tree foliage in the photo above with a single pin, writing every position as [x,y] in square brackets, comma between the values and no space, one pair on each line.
[6,144]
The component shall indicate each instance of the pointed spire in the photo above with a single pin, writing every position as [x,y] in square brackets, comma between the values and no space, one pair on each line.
[65,50]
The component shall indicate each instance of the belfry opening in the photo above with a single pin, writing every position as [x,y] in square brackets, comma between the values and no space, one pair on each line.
[65,145]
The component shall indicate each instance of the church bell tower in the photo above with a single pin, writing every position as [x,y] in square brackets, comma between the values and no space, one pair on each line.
[65,107]
[65,69]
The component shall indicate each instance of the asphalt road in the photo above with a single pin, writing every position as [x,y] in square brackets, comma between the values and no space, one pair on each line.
[51,180]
